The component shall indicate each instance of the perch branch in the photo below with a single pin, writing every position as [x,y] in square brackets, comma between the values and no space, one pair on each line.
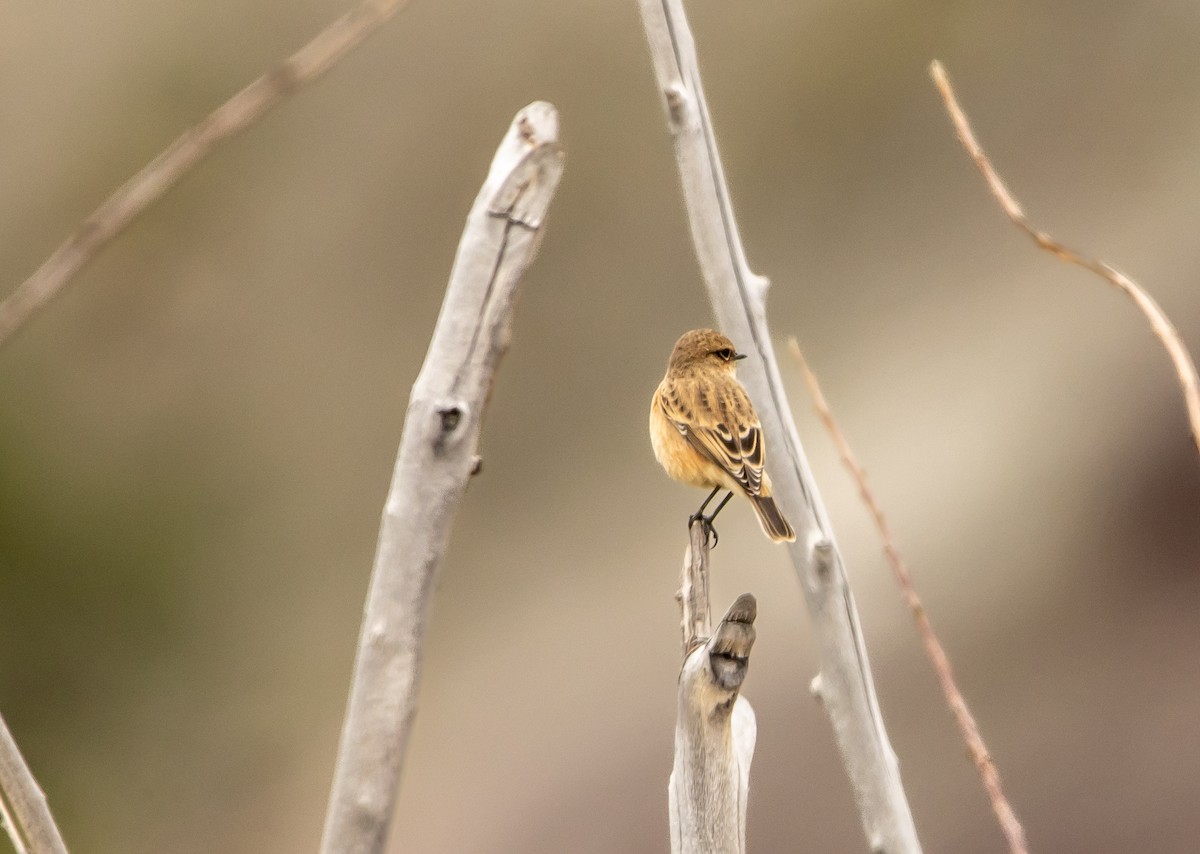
[437,457]
[1185,368]
[27,815]
[695,614]
[989,774]
[165,170]
[715,728]
[739,300]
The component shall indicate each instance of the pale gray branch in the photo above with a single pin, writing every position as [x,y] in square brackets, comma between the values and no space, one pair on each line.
[10,827]
[695,613]
[739,299]
[28,816]
[715,727]
[437,457]
[165,170]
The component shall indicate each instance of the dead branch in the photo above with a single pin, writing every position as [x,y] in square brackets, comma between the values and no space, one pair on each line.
[27,814]
[738,296]
[715,729]
[437,457]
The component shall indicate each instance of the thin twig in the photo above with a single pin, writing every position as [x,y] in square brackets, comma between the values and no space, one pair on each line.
[1009,825]
[437,457]
[28,804]
[165,170]
[1185,368]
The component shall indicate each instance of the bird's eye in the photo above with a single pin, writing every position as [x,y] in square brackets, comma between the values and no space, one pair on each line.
[725,353]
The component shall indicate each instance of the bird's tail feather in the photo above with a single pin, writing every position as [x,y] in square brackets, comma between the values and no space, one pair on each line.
[772,521]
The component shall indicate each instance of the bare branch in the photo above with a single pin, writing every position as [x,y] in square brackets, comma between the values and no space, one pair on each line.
[1185,368]
[695,615]
[739,300]
[10,827]
[436,459]
[715,728]
[33,821]
[165,170]
[989,774]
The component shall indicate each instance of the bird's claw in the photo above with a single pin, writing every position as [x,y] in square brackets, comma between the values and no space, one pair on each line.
[709,529]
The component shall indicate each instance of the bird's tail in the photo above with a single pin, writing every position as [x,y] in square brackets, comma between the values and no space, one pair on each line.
[772,521]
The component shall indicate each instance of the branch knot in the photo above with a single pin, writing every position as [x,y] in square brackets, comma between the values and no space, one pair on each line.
[677,102]
[452,417]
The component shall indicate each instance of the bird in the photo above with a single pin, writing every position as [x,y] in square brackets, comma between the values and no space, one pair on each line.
[705,431]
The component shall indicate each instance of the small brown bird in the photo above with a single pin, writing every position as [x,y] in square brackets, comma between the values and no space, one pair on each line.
[705,431]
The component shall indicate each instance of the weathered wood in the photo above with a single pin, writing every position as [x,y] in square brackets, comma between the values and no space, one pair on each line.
[27,809]
[437,457]
[738,297]
[715,726]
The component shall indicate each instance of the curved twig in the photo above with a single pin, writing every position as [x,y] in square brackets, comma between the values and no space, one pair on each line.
[1185,368]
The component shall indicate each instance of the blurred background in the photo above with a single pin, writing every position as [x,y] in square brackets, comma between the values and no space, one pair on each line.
[196,439]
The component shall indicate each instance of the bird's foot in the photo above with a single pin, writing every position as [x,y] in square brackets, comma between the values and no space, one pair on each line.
[709,530]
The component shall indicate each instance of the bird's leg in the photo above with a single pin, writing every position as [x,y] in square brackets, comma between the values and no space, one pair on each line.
[699,514]
[720,507]
[707,521]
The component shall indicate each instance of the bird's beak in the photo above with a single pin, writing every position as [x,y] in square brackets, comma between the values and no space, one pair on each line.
[738,356]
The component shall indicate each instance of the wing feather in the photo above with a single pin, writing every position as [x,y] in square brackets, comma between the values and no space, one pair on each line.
[721,424]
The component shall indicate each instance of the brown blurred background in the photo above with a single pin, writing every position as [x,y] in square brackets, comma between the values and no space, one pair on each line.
[195,440]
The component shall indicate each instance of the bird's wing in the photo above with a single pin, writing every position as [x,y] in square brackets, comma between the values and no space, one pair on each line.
[719,421]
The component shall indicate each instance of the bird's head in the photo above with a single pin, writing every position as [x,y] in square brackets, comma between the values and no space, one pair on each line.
[704,348]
